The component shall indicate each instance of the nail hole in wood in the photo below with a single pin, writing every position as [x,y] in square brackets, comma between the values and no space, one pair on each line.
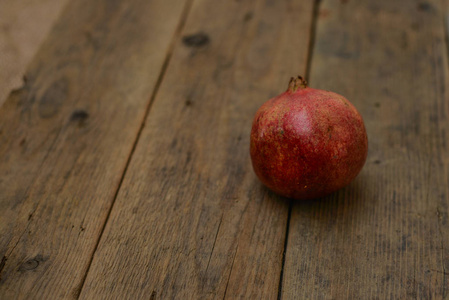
[80,116]
[196,40]
[248,16]
[424,6]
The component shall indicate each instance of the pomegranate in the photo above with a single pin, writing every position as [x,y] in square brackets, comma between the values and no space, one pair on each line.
[307,143]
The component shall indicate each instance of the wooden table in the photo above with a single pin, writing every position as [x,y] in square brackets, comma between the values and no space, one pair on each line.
[124,161]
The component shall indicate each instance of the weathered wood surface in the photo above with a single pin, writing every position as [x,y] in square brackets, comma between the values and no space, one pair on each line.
[23,26]
[67,134]
[191,220]
[135,115]
[385,236]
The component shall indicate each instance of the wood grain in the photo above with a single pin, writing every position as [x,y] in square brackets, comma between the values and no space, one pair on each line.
[385,236]
[23,26]
[66,135]
[191,220]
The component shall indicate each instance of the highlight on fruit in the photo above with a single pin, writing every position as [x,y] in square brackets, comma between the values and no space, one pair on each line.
[307,143]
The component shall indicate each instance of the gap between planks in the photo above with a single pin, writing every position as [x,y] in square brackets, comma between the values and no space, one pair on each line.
[315,12]
[233,225]
[182,21]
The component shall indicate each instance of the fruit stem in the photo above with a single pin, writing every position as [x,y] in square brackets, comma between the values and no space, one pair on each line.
[296,83]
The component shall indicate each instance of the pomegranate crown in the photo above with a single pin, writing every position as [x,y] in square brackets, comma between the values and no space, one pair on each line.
[297,83]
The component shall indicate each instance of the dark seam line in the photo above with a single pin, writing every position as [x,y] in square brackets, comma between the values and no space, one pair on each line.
[313,26]
[178,31]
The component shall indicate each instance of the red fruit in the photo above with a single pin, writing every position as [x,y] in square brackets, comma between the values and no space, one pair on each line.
[307,143]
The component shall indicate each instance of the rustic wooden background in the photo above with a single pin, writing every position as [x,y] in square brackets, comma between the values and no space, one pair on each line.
[124,162]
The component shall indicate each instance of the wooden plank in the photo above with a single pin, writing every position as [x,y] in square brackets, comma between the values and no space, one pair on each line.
[23,26]
[386,235]
[66,136]
[191,220]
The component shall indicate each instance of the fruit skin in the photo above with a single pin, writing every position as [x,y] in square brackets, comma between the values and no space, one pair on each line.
[307,143]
